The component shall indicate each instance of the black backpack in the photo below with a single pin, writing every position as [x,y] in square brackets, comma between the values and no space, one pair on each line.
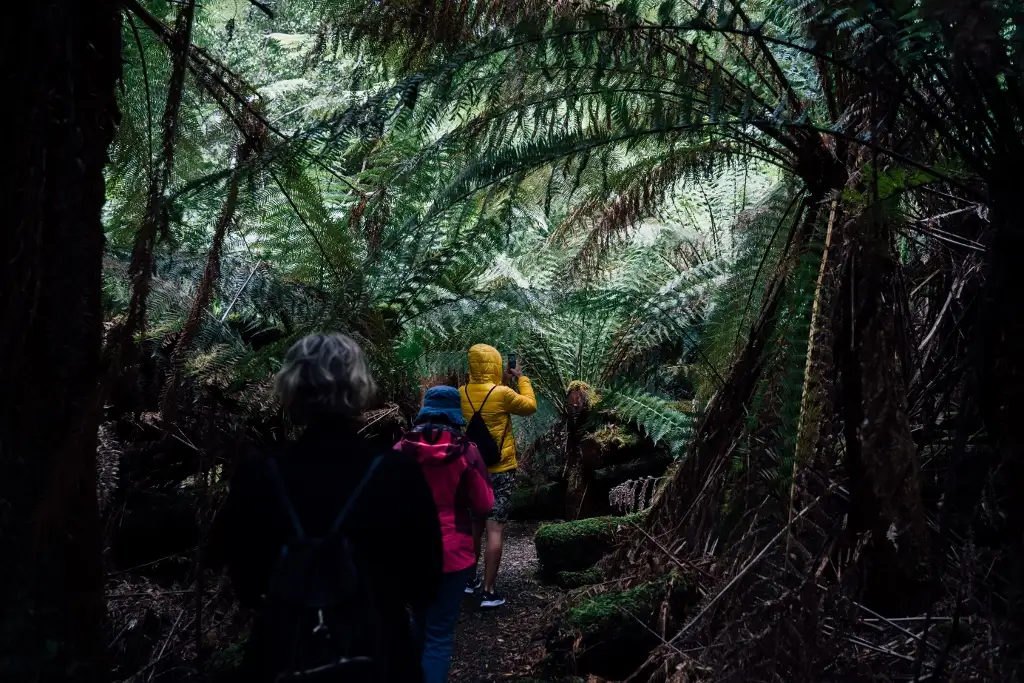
[478,433]
[320,615]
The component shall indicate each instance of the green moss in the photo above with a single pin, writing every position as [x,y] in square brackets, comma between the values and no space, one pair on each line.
[564,531]
[684,406]
[591,394]
[586,577]
[612,634]
[614,437]
[574,546]
[613,610]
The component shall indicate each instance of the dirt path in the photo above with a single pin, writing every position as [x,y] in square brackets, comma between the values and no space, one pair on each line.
[496,645]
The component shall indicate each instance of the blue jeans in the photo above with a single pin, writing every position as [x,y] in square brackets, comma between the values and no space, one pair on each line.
[434,628]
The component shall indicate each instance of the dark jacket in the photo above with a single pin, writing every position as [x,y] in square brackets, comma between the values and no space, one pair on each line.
[394,524]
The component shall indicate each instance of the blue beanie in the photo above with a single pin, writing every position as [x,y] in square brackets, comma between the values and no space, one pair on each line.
[442,402]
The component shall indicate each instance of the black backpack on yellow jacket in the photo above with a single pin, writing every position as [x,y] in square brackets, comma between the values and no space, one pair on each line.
[478,433]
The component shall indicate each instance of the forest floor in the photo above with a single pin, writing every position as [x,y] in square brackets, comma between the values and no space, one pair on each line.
[498,644]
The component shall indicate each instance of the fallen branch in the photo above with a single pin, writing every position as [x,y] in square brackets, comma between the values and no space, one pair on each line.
[877,648]
[163,647]
[176,647]
[377,419]
[905,631]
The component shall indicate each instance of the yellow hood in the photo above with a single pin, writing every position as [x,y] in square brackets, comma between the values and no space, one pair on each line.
[485,365]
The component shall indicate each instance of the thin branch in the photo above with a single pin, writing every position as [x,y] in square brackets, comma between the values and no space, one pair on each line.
[892,622]
[309,228]
[163,647]
[241,289]
[263,7]
[149,99]
[953,290]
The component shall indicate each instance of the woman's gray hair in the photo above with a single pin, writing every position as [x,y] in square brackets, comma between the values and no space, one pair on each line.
[324,375]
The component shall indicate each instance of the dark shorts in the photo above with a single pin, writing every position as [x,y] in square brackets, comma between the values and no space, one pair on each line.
[503,484]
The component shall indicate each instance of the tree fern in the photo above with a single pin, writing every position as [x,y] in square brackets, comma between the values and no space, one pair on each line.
[661,419]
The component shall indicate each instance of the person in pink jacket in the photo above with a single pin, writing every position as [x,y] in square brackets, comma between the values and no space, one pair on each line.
[458,478]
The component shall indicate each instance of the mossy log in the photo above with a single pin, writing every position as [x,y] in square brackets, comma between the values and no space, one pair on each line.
[612,634]
[653,466]
[578,545]
[613,642]
[586,577]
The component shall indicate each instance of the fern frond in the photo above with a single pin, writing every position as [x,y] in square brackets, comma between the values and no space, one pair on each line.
[661,419]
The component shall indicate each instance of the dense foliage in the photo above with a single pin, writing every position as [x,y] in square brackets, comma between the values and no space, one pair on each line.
[774,236]
[341,190]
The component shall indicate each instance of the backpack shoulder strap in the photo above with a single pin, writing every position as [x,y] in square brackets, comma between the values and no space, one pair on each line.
[356,492]
[475,411]
[285,499]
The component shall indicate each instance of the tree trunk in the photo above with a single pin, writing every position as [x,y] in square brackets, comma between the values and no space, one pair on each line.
[248,146]
[575,474]
[880,457]
[61,65]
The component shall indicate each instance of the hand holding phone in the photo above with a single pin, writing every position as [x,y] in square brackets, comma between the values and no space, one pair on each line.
[512,371]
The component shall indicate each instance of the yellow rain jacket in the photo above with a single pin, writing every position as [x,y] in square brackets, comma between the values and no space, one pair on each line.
[485,370]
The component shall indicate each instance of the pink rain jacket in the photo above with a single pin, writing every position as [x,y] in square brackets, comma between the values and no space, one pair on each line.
[458,478]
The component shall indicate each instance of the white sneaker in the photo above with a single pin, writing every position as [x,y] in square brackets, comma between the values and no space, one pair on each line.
[491,600]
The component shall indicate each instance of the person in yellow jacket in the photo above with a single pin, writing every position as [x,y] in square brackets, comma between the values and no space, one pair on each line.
[485,373]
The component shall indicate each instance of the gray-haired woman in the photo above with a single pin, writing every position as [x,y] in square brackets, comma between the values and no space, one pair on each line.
[325,384]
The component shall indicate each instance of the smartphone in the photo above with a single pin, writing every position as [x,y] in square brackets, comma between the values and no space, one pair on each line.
[511,360]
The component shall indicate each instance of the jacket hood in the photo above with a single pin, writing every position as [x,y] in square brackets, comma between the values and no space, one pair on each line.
[485,365]
[432,444]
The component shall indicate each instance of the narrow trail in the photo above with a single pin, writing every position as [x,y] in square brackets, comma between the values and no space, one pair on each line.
[497,645]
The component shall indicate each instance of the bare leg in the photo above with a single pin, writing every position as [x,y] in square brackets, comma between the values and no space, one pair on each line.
[492,557]
[479,526]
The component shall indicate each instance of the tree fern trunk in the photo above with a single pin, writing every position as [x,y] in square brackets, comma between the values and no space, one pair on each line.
[62,62]
[810,397]
[880,456]
[573,473]
[205,290]
[154,223]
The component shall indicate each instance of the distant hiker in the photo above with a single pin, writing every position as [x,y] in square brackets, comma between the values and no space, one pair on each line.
[331,538]
[488,408]
[458,477]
